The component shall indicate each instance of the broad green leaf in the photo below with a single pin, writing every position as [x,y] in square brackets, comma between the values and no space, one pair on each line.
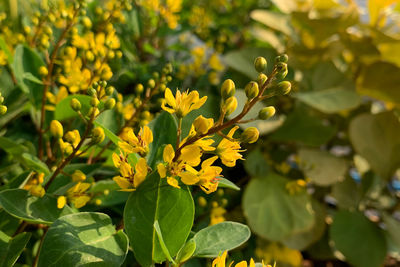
[113,197]
[272,212]
[331,100]
[8,223]
[115,139]
[164,130]
[393,228]
[347,194]
[304,239]
[322,167]
[303,128]
[213,240]
[380,80]
[274,20]
[109,119]
[19,203]
[225,183]
[35,164]
[11,147]
[161,241]
[243,60]
[255,164]
[11,248]
[376,138]
[354,235]
[155,200]
[63,108]
[186,252]
[263,126]
[83,239]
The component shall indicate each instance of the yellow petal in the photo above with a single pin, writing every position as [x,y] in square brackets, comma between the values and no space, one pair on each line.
[191,154]
[122,182]
[173,182]
[168,153]
[208,162]
[189,178]
[162,171]
[81,201]
[61,201]
[169,98]
[147,135]
[116,160]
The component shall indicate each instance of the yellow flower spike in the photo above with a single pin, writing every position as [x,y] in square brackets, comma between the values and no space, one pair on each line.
[182,103]
[61,202]
[173,182]
[140,172]
[202,125]
[228,150]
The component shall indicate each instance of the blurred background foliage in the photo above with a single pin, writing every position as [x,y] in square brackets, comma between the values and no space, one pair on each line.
[321,186]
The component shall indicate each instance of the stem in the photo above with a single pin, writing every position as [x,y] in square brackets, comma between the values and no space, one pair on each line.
[47,81]
[35,262]
[20,228]
[179,132]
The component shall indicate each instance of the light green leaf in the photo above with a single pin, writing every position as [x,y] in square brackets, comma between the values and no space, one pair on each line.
[376,138]
[393,228]
[63,108]
[6,50]
[162,244]
[255,164]
[354,234]
[19,203]
[115,139]
[83,239]
[225,183]
[155,200]
[322,167]
[274,20]
[213,240]
[272,212]
[11,248]
[35,164]
[186,252]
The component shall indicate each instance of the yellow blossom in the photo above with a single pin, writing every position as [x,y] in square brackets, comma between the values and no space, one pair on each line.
[77,196]
[54,99]
[202,125]
[34,185]
[136,144]
[228,149]
[73,137]
[130,178]
[220,262]
[182,103]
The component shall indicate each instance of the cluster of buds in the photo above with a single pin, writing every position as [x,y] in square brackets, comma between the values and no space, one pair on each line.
[3,108]
[34,185]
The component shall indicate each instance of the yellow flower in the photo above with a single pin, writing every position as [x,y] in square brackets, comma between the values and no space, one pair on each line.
[182,103]
[136,144]
[228,149]
[54,99]
[34,185]
[220,262]
[202,125]
[73,137]
[172,169]
[130,178]
[76,195]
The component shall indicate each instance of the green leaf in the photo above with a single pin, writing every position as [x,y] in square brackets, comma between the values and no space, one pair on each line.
[164,130]
[331,100]
[304,128]
[354,234]
[272,212]
[35,164]
[243,60]
[11,248]
[83,239]
[322,167]
[63,108]
[11,147]
[274,20]
[155,200]
[380,80]
[376,138]
[393,228]
[347,194]
[19,203]
[213,240]
[114,197]
[161,240]
[115,139]
[255,163]
[225,183]
[6,50]
[186,252]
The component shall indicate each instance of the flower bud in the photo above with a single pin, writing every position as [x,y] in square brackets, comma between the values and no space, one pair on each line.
[1,99]
[110,90]
[230,105]
[91,91]
[262,78]
[73,137]
[281,88]
[103,84]
[56,129]
[282,58]
[282,70]
[87,22]
[110,103]
[139,88]
[94,102]
[61,201]
[68,149]
[98,135]
[151,83]
[202,201]
[75,104]
[202,125]
[3,109]
[37,190]
[266,113]
[251,90]
[43,71]
[93,111]
[78,176]
[227,89]
[250,135]
[260,64]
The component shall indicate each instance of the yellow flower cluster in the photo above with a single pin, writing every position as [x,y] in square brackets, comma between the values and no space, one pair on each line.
[220,261]
[167,9]
[34,185]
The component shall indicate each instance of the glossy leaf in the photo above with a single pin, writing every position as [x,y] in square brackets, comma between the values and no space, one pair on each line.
[11,248]
[172,207]
[225,183]
[35,163]
[19,203]
[213,240]
[274,20]
[83,239]
[63,108]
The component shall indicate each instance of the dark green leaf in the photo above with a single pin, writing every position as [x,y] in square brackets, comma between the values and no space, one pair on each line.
[11,248]
[35,164]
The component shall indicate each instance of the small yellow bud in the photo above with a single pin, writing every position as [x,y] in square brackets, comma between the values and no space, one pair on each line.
[139,88]
[119,54]
[61,201]
[106,192]
[202,201]
[3,109]
[78,176]
[72,136]
[110,103]
[250,135]
[230,105]
[282,70]
[87,22]
[146,115]
[89,56]
[260,64]
[91,91]
[266,113]
[262,78]
[56,129]
[98,202]
[68,149]
[98,135]
[75,104]
[202,125]
[37,190]
[282,58]
[227,89]
[110,90]
[43,71]
[151,83]
[282,88]
[94,102]
[93,111]
[251,90]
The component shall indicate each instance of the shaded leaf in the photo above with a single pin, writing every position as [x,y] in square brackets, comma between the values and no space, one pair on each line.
[11,248]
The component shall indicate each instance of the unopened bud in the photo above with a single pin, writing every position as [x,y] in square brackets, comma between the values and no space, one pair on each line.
[227,89]
[78,176]
[251,90]
[37,190]
[110,103]
[282,58]
[75,104]
[87,22]
[282,70]
[282,88]
[43,71]
[202,201]
[151,83]
[266,113]
[202,125]
[68,149]
[91,91]
[139,88]
[93,111]
[94,102]
[56,129]
[230,105]
[262,78]
[3,109]
[250,135]
[98,135]
[260,64]
[110,90]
